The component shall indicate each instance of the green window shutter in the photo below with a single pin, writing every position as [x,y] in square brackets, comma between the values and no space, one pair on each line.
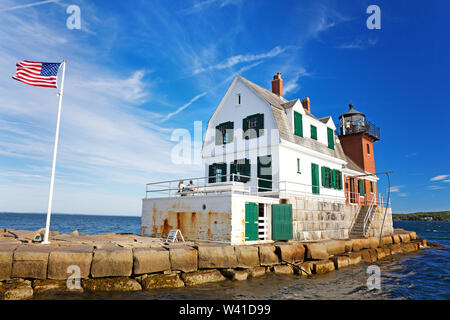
[333,179]
[245,128]
[315,178]
[233,170]
[224,171]
[298,166]
[260,125]
[324,180]
[230,131]
[313,132]
[298,124]
[247,171]
[219,136]
[361,187]
[330,138]
[211,173]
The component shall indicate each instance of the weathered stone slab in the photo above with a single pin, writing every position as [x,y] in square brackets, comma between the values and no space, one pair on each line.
[340,261]
[291,253]
[381,253]
[316,251]
[120,284]
[16,290]
[202,276]
[44,286]
[62,258]
[256,272]
[323,266]
[354,257]
[30,261]
[156,281]
[396,248]
[283,269]
[6,259]
[334,247]
[238,275]
[304,269]
[112,262]
[396,238]
[210,257]
[268,256]
[369,255]
[404,237]
[409,247]
[150,260]
[247,256]
[423,243]
[374,242]
[386,240]
[348,245]
[183,258]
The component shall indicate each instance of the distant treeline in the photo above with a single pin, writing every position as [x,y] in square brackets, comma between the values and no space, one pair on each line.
[423,216]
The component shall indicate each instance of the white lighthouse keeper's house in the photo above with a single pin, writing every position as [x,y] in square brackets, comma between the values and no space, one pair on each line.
[273,171]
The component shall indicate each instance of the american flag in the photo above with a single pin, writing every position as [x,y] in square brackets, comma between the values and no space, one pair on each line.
[39,74]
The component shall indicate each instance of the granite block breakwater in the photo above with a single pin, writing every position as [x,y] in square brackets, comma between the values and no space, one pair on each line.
[115,262]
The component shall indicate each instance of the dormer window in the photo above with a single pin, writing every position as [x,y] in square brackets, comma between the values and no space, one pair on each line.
[224,133]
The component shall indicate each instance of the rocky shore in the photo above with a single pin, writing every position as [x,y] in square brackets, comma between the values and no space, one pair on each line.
[118,262]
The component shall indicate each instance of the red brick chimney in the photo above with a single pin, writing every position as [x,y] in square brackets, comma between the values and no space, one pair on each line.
[277,84]
[306,104]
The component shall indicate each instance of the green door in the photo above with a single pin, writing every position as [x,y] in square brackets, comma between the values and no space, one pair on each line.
[251,221]
[265,172]
[315,178]
[282,222]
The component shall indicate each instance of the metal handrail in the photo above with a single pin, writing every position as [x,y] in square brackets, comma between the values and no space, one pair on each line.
[368,216]
[201,185]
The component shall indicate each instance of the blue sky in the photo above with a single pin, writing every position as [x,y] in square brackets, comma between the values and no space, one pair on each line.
[138,70]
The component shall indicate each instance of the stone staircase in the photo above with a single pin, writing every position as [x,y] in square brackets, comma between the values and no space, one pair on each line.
[357,230]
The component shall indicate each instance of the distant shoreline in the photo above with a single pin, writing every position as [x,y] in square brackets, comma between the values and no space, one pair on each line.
[422,216]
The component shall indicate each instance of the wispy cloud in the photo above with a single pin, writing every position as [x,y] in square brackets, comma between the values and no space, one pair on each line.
[184,106]
[436,187]
[327,18]
[396,188]
[440,177]
[359,44]
[232,61]
[292,86]
[202,5]
[34,4]
[403,195]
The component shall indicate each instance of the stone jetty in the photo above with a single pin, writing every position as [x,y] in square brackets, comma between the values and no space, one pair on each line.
[126,262]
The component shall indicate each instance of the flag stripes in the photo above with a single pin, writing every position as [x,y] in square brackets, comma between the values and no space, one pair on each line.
[39,74]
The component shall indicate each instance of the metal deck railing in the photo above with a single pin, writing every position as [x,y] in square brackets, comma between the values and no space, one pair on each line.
[230,184]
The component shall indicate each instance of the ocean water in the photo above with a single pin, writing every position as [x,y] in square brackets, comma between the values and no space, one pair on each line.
[420,275]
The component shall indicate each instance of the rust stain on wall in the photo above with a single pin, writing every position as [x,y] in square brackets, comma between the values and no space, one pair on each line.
[193,224]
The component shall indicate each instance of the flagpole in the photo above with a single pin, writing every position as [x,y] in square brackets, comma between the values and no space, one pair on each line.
[55,150]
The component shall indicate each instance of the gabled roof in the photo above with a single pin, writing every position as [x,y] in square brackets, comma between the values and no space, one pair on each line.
[325,119]
[278,105]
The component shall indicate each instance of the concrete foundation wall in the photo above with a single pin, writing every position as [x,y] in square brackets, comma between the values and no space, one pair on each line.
[198,218]
[320,220]
[221,218]
[377,221]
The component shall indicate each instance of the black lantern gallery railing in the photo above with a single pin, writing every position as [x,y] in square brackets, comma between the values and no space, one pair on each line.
[361,126]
